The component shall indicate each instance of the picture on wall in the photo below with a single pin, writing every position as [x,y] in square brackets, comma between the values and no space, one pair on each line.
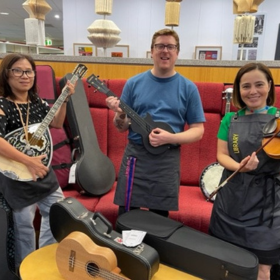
[148,54]
[84,49]
[249,50]
[259,24]
[208,52]
[244,52]
[252,54]
[116,51]
[254,44]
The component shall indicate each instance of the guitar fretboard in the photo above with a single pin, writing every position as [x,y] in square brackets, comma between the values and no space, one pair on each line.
[49,117]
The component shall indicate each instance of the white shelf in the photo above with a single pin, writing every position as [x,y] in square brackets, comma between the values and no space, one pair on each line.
[9,47]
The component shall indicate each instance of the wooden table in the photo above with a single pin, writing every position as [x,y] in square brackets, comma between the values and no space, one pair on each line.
[41,265]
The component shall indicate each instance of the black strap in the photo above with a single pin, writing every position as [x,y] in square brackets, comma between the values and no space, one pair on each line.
[62,143]
[62,166]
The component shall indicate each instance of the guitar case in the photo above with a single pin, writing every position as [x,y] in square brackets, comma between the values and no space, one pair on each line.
[7,247]
[190,250]
[61,160]
[69,215]
[95,172]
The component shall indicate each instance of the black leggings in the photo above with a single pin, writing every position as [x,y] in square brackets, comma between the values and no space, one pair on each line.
[160,212]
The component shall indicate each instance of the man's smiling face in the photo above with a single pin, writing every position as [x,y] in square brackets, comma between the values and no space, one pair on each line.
[164,60]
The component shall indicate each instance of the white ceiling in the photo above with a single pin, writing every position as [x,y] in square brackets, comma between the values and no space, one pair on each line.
[12,25]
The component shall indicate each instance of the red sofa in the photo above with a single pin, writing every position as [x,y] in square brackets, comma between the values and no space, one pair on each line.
[194,210]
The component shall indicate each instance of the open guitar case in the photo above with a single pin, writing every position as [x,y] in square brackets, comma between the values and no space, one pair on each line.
[189,250]
[94,172]
[69,215]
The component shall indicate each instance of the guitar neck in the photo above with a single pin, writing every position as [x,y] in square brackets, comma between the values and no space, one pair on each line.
[49,117]
[227,97]
[131,113]
[227,107]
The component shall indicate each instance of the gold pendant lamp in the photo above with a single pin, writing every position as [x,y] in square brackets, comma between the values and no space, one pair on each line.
[172,12]
[244,23]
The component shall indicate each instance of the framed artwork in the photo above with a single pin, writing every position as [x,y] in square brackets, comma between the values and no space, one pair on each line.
[116,51]
[244,54]
[208,52]
[80,49]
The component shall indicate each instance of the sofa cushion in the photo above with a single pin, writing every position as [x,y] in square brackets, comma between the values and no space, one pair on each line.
[194,210]
[196,156]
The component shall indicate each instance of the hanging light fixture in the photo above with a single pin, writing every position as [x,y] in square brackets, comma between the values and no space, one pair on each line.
[246,6]
[244,23]
[244,29]
[104,33]
[172,13]
[35,24]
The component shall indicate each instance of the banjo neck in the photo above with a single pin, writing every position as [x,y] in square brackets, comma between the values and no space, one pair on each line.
[227,96]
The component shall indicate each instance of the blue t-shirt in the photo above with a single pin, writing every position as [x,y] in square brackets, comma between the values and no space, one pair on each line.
[174,100]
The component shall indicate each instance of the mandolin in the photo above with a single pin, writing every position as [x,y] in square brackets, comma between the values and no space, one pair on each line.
[78,257]
[140,125]
[39,138]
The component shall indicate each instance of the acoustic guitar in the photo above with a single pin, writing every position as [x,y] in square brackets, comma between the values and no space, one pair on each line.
[78,257]
[140,125]
[39,138]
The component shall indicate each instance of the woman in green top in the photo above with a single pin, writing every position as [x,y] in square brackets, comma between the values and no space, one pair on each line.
[246,211]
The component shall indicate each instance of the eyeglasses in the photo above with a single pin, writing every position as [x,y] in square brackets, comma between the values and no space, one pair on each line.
[19,73]
[161,47]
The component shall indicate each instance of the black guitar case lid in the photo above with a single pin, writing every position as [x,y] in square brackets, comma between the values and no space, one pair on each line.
[7,246]
[189,250]
[68,215]
[95,172]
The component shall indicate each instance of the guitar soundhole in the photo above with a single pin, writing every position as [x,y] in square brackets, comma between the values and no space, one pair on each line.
[92,269]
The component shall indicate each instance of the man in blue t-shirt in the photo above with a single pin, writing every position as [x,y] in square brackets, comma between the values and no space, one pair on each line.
[154,107]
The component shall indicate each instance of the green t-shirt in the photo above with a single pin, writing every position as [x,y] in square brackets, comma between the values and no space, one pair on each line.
[225,123]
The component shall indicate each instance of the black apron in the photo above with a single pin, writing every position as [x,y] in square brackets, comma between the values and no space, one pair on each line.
[147,180]
[246,210]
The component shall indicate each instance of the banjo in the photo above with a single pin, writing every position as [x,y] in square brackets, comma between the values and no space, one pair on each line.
[39,138]
[212,173]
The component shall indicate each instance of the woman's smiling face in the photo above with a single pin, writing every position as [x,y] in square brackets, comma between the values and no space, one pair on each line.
[254,89]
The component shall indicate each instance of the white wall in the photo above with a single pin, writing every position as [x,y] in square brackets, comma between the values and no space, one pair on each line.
[202,23]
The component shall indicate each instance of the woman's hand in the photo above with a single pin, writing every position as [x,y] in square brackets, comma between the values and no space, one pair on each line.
[71,89]
[249,163]
[36,167]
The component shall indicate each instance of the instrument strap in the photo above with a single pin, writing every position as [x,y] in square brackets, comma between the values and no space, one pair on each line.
[25,125]
[129,182]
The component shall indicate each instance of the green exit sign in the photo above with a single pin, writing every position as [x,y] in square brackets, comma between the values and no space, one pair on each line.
[48,42]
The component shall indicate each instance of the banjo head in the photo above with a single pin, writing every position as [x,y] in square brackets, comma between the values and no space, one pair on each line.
[210,178]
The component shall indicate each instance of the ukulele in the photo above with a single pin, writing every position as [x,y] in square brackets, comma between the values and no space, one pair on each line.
[39,137]
[78,257]
[140,125]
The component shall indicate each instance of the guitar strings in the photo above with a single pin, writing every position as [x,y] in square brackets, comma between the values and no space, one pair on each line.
[140,121]
[96,271]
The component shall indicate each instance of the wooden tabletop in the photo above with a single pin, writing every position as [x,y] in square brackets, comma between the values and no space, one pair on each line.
[41,264]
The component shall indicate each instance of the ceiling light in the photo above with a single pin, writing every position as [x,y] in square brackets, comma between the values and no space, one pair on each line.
[57,16]
[5,14]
